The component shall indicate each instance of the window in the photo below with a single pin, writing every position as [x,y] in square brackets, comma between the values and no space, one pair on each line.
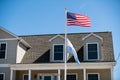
[40,78]
[47,77]
[58,52]
[93,77]
[71,77]
[92,51]
[55,78]
[25,77]
[2,76]
[2,50]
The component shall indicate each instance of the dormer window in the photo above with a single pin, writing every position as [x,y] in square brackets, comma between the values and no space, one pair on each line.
[2,50]
[57,48]
[58,51]
[92,51]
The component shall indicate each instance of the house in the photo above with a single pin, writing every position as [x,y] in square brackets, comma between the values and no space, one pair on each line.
[41,57]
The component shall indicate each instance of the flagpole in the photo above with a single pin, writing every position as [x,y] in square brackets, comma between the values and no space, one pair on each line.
[65,62]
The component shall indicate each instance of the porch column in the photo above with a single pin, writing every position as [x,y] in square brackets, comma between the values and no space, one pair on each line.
[11,74]
[84,72]
[58,74]
[29,76]
[112,75]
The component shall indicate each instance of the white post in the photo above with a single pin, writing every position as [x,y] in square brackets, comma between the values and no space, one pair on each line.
[29,76]
[112,75]
[58,74]
[11,74]
[65,65]
[84,70]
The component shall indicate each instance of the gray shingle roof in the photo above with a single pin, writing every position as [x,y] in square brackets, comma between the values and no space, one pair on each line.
[40,51]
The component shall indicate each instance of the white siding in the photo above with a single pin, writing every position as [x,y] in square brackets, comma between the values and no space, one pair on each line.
[20,53]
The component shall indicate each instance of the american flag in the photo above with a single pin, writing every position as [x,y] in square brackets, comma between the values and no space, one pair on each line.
[74,19]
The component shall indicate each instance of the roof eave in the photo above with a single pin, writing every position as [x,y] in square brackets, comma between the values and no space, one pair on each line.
[25,43]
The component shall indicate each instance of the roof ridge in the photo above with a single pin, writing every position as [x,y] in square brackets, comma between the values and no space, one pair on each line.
[62,34]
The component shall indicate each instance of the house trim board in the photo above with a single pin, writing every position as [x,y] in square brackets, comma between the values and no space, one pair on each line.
[55,66]
[4,65]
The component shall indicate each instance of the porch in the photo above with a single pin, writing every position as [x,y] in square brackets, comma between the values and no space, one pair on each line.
[55,71]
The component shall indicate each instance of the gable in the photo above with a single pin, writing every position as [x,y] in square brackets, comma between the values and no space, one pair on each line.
[6,34]
[92,38]
[58,39]
[57,36]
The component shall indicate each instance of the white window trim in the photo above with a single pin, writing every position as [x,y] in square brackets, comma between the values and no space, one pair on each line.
[73,74]
[53,53]
[47,74]
[3,75]
[56,37]
[98,57]
[5,50]
[94,73]
[92,34]
[24,75]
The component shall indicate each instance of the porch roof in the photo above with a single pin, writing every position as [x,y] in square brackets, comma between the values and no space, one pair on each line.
[55,66]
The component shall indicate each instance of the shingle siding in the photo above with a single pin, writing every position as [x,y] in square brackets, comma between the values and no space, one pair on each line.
[107,47]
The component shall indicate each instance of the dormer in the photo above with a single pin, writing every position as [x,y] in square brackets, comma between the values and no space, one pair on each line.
[57,48]
[92,47]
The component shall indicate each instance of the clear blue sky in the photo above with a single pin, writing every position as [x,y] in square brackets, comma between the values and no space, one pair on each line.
[30,17]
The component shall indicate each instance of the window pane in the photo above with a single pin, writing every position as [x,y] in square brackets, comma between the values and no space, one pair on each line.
[92,51]
[92,47]
[55,78]
[58,56]
[40,77]
[92,76]
[3,46]
[2,54]
[71,77]
[92,55]
[1,77]
[58,48]
[58,52]
[47,77]
[25,77]
[2,50]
